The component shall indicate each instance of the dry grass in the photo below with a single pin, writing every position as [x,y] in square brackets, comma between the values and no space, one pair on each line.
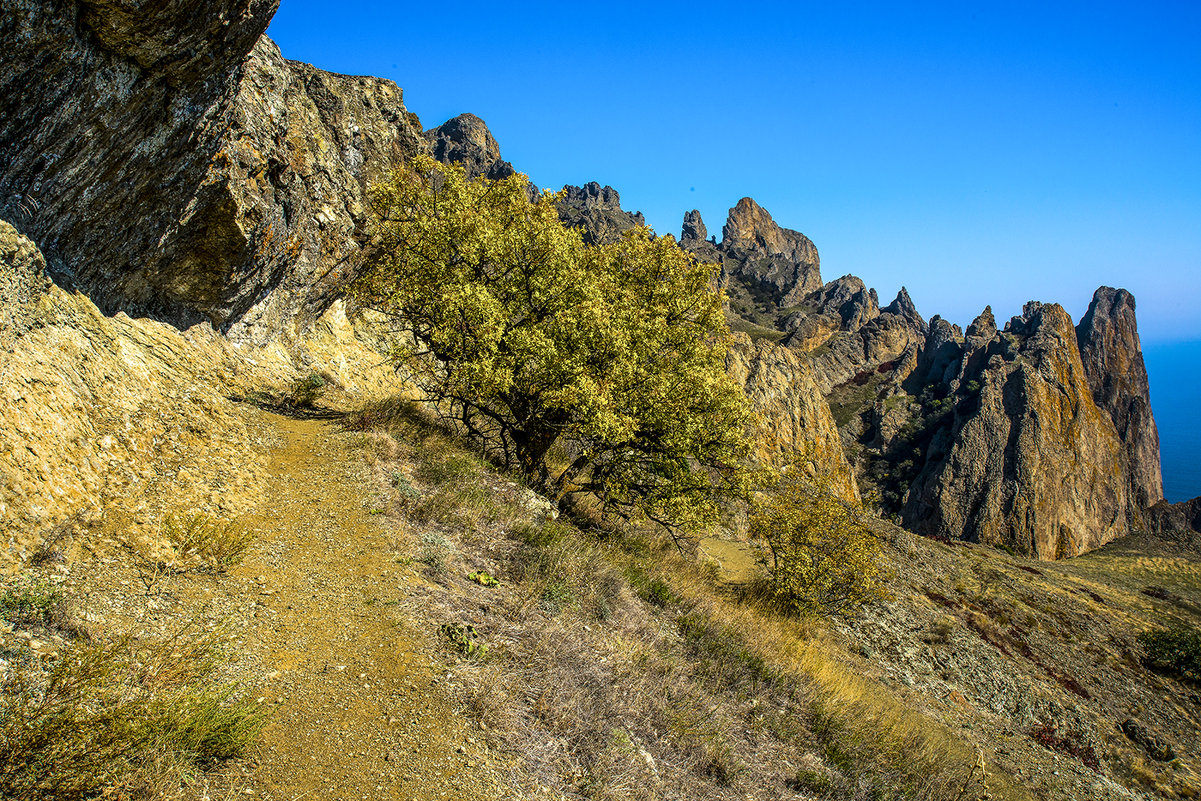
[118,718]
[205,543]
[618,668]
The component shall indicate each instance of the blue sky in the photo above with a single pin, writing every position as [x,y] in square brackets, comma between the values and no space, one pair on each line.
[973,152]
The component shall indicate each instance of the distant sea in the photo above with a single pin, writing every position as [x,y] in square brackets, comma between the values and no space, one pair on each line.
[1174,370]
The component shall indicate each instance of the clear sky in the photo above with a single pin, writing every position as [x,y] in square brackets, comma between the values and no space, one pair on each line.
[973,152]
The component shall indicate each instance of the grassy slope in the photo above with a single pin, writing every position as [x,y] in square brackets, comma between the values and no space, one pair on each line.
[621,669]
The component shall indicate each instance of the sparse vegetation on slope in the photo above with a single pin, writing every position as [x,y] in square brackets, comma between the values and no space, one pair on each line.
[118,716]
[618,668]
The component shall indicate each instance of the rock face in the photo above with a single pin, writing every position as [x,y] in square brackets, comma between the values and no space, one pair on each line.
[466,140]
[1029,460]
[114,421]
[757,251]
[1113,362]
[23,283]
[796,420]
[1175,520]
[694,230]
[104,411]
[597,210]
[170,162]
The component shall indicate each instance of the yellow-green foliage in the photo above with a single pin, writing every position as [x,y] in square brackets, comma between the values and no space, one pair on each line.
[531,339]
[214,545]
[824,559]
[118,716]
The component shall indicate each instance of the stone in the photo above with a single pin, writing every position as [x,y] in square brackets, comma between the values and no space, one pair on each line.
[466,140]
[849,299]
[1156,748]
[795,418]
[169,162]
[23,282]
[1113,361]
[1031,463]
[694,229]
[984,326]
[782,262]
[597,211]
[903,306]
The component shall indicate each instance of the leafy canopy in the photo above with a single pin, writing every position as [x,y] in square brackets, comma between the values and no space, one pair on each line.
[608,361]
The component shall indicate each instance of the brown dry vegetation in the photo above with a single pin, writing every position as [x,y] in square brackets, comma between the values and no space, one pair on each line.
[618,668]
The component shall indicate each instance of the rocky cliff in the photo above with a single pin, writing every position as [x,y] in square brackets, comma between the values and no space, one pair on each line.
[597,210]
[794,419]
[466,140]
[169,161]
[1113,361]
[112,421]
[1028,460]
[764,267]
[1037,438]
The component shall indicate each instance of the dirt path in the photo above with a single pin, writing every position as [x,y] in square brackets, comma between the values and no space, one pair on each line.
[360,709]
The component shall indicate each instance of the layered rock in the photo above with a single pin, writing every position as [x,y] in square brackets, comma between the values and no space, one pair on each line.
[170,162]
[1113,361]
[795,420]
[597,211]
[1029,461]
[113,421]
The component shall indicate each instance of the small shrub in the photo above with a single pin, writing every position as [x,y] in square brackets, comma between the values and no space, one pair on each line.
[464,640]
[1174,652]
[304,391]
[483,579]
[214,545]
[404,489]
[434,552]
[814,782]
[31,601]
[824,558]
[105,711]
[455,467]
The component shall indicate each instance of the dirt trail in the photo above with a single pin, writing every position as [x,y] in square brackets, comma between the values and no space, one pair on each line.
[360,709]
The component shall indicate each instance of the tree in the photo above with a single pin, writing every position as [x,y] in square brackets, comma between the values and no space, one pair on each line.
[824,558]
[613,356]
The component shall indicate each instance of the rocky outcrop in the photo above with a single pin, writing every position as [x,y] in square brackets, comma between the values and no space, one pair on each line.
[466,140]
[113,421]
[170,162]
[1028,461]
[848,299]
[795,420]
[757,251]
[23,283]
[984,326]
[597,211]
[1113,361]
[1177,521]
[693,230]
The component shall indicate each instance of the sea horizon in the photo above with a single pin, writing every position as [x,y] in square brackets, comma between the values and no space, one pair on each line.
[1173,369]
